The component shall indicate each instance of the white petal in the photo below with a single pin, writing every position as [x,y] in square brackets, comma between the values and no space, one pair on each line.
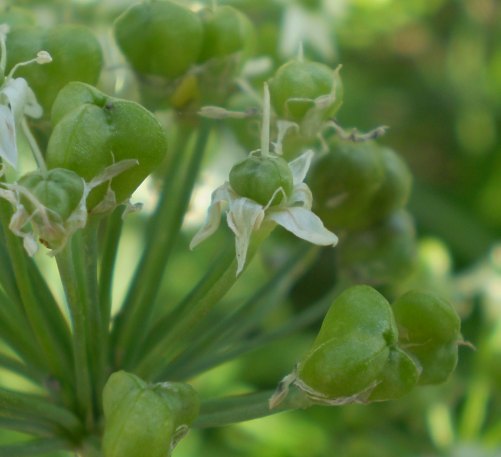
[300,166]
[244,216]
[301,196]
[304,224]
[21,98]
[8,147]
[213,219]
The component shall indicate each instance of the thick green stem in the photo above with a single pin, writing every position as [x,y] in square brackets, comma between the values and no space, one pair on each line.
[17,405]
[96,330]
[218,281]
[74,283]
[39,317]
[244,317]
[35,447]
[229,410]
[138,307]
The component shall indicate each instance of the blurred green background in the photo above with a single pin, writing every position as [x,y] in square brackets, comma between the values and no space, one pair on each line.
[431,70]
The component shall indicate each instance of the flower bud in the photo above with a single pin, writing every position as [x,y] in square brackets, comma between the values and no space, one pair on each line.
[93,131]
[160,38]
[297,86]
[259,178]
[145,420]
[76,56]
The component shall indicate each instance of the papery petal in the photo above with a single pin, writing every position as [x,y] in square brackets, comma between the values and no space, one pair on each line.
[300,166]
[21,98]
[244,216]
[213,219]
[8,147]
[304,224]
[301,196]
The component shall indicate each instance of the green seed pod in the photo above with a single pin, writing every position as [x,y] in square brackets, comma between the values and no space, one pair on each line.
[102,131]
[399,376]
[76,56]
[438,361]
[344,182]
[145,420]
[59,190]
[297,84]
[226,31]
[425,318]
[394,191]
[359,308]
[150,34]
[382,254]
[430,331]
[53,200]
[258,178]
[344,365]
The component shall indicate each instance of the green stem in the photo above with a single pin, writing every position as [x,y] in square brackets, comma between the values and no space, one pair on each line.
[217,282]
[29,426]
[246,316]
[109,249]
[311,315]
[24,406]
[35,447]
[138,306]
[16,332]
[21,369]
[69,263]
[229,410]
[39,317]
[96,330]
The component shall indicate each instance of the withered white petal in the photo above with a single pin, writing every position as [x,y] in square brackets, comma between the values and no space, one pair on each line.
[8,147]
[300,166]
[301,196]
[219,196]
[243,218]
[304,224]
[16,93]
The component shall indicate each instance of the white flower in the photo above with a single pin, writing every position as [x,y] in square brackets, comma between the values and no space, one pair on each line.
[245,215]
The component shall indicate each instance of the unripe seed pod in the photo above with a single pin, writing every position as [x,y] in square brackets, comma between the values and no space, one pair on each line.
[381,254]
[395,188]
[258,178]
[159,38]
[425,318]
[362,309]
[399,376]
[297,84]
[102,131]
[344,365]
[430,331]
[76,56]
[344,182]
[437,361]
[59,190]
[226,31]
[145,420]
